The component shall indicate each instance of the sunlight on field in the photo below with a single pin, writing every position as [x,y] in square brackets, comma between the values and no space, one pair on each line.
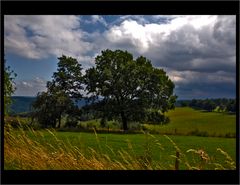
[187,121]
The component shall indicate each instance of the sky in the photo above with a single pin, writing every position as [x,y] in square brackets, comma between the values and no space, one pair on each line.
[198,52]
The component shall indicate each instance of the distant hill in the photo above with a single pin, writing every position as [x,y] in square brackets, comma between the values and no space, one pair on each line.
[180,103]
[22,104]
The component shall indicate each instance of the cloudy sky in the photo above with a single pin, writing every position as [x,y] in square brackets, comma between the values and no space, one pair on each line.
[197,52]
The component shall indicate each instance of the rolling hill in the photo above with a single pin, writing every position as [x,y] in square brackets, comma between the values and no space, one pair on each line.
[22,104]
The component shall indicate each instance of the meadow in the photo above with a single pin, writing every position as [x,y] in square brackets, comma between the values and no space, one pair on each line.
[50,149]
[187,121]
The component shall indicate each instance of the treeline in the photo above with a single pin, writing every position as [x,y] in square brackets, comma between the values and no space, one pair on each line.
[215,105]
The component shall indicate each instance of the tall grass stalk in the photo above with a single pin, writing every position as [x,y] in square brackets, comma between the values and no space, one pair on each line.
[28,149]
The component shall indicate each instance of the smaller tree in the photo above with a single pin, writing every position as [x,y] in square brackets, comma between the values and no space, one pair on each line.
[184,104]
[64,88]
[9,87]
[231,106]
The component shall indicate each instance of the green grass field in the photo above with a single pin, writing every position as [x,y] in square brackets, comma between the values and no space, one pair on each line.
[158,148]
[43,149]
[187,121]
[139,142]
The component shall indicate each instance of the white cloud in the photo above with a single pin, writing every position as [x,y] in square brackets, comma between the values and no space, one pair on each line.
[98,18]
[30,87]
[37,37]
[139,18]
[185,42]
[129,31]
[26,84]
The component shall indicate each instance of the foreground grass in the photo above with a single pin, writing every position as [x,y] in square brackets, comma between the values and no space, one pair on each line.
[29,149]
[187,121]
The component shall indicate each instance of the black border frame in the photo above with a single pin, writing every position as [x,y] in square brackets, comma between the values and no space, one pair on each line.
[121,8]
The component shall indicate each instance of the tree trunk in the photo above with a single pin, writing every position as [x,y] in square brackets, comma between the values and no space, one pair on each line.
[59,121]
[54,123]
[124,121]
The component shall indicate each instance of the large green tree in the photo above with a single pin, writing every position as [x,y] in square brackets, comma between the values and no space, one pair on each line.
[64,88]
[129,88]
[9,87]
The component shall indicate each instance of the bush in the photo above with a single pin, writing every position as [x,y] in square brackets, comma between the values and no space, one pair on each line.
[17,122]
[134,126]
[156,117]
[90,124]
[71,121]
[196,132]
[13,121]
[103,122]
[230,135]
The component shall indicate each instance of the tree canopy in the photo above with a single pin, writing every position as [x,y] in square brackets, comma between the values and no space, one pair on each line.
[129,88]
[68,77]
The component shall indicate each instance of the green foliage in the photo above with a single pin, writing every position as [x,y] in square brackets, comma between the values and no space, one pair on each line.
[196,132]
[156,117]
[129,87]
[103,122]
[50,106]
[216,105]
[71,122]
[9,87]
[68,77]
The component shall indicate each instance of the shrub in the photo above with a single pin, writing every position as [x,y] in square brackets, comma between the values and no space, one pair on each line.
[71,121]
[16,122]
[196,132]
[103,122]
[113,124]
[134,126]
[230,135]
[155,117]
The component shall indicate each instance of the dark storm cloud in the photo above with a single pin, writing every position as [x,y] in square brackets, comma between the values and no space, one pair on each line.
[208,49]
[203,90]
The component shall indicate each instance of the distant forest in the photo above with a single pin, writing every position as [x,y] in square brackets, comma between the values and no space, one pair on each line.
[215,105]
[23,104]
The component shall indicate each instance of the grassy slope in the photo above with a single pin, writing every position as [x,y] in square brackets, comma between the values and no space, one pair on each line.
[186,120]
